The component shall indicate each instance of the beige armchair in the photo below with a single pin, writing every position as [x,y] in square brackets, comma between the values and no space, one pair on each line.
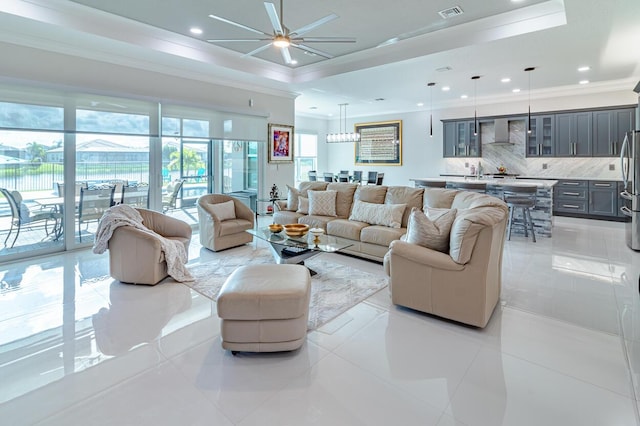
[136,257]
[464,284]
[222,227]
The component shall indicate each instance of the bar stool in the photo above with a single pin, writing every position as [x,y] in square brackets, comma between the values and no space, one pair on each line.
[520,197]
[471,186]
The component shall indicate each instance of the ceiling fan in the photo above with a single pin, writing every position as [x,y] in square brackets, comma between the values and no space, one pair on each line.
[282,37]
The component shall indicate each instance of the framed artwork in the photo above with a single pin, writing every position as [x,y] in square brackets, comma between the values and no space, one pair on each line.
[280,143]
[380,143]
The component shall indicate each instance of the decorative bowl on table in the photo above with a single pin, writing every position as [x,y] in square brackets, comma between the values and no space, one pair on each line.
[296,230]
[275,228]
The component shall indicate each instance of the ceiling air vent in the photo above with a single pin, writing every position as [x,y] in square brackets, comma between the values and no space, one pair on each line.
[451,12]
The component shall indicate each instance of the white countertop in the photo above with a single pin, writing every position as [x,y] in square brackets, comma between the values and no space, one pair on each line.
[492,181]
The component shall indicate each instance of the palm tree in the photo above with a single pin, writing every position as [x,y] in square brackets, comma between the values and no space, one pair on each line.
[190,160]
[36,151]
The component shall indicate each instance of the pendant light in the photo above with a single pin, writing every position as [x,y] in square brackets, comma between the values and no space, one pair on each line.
[475,79]
[343,135]
[528,70]
[431,108]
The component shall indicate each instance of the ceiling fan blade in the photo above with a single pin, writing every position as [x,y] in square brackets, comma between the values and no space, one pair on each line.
[225,20]
[313,25]
[286,55]
[273,17]
[221,40]
[325,39]
[258,50]
[312,50]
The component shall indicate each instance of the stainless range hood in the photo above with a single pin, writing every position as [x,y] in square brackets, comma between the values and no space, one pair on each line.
[501,131]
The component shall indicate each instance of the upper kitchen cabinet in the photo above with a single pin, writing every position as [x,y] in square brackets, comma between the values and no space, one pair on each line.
[459,139]
[609,128]
[573,134]
[540,140]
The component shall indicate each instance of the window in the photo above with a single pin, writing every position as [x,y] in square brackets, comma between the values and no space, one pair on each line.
[306,155]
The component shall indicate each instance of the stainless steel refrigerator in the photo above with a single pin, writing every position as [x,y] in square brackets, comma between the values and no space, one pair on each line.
[630,165]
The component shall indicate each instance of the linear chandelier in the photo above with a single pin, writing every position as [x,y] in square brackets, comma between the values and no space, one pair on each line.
[343,135]
[430,85]
[528,70]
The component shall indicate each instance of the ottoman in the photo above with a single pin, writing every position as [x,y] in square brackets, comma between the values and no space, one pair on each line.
[265,308]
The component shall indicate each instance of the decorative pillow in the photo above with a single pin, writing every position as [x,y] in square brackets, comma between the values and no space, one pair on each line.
[224,211]
[430,230]
[292,198]
[378,214]
[303,205]
[322,203]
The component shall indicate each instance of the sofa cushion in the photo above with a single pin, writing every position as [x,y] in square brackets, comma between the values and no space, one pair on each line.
[322,203]
[292,198]
[439,198]
[344,197]
[466,227]
[412,197]
[316,221]
[312,186]
[370,193]
[224,211]
[284,218]
[345,228]
[381,235]
[430,229]
[303,205]
[378,214]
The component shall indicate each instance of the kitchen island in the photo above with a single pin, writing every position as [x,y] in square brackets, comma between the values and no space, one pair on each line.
[542,213]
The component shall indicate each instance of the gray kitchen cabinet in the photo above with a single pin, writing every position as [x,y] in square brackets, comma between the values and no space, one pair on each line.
[459,139]
[573,134]
[603,198]
[540,140]
[571,196]
[609,127]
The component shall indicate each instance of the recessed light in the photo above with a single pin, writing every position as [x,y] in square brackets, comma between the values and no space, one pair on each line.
[463,96]
[444,69]
[294,62]
[584,81]
[446,88]
[379,99]
[505,80]
[195,30]
[419,104]
[516,90]
[584,68]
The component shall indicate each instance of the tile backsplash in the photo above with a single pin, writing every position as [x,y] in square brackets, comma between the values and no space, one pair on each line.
[512,156]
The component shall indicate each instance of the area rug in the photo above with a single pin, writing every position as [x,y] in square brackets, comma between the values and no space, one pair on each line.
[334,289]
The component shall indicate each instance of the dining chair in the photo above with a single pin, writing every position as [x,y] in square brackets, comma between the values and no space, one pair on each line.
[357,176]
[343,176]
[136,195]
[313,176]
[379,178]
[21,216]
[93,203]
[372,178]
[327,176]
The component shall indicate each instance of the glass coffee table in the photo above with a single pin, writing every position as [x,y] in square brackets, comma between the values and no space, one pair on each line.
[288,250]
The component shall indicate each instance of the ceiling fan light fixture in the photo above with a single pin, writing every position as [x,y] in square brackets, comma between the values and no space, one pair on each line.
[281,41]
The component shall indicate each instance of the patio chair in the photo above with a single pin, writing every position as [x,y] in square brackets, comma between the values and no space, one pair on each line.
[170,198]
[136,195]
[21,216]
[93,203]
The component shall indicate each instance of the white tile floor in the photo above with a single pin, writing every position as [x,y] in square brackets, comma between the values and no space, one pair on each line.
[563,348]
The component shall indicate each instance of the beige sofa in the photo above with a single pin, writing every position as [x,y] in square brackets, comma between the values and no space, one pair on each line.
[368,241]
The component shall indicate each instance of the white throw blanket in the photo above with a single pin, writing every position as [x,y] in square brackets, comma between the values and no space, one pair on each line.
[124,215]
